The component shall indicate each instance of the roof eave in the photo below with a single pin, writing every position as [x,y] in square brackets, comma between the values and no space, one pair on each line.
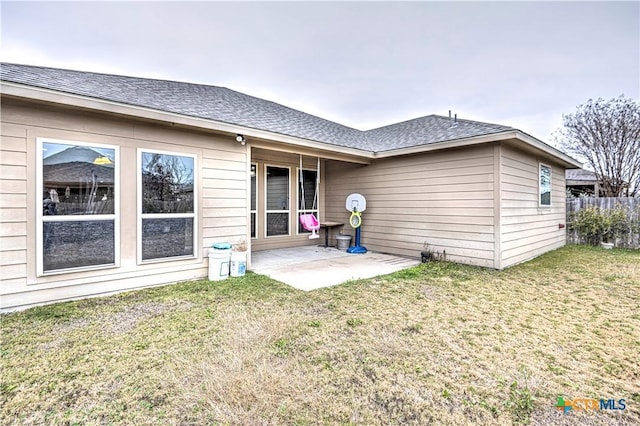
[491,137]
[568,162]
[580,182]
[436,146]
[51,96]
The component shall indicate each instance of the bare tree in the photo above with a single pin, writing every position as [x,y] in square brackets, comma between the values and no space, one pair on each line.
[605,135]
[167,183]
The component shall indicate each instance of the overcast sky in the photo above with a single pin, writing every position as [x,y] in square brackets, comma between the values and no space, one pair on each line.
[361,64]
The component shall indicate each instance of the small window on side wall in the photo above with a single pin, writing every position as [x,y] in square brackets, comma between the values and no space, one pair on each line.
[167,197]
[545,186]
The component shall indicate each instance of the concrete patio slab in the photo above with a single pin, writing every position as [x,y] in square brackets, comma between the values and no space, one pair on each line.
[311,267]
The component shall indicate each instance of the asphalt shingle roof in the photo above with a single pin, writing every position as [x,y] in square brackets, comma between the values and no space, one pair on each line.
[427,130]
[73,154]
[228,106]
[580,174]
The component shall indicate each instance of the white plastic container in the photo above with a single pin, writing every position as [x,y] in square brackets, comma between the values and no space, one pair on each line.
[343,241]
[219,260]
[238,263]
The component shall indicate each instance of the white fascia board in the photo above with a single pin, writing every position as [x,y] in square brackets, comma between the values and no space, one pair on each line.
[47,95]
[493,137]
[570,162]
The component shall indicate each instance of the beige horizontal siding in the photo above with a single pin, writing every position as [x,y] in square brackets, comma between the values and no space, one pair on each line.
[12,157]
[224,196]
[12,257]
[222,184]
[443,199]
[13,229]
[409,194]
[443,221]
[17,296]
[471,212]
[13,172]
[13,200]
[402,246]
[13,214]
[528,230]
[223,207]
[13,143]
[446,187]
[18,271]
[13,243]
[13,186]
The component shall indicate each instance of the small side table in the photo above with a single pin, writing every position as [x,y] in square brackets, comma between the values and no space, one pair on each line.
[327,229]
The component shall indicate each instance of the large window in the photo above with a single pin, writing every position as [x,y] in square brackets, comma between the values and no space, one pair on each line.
[545,185]
[277,200]
[77,187]
[307,202]
[254,200]
[166,206]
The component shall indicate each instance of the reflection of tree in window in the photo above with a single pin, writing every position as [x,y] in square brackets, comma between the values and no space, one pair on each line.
[167,183]
[545,185]
[168,207]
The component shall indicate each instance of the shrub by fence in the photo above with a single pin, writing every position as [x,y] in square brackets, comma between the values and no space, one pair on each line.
[608,219]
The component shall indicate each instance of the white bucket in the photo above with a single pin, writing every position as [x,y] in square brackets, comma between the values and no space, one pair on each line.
[218,264]
[238,263]
[343,241]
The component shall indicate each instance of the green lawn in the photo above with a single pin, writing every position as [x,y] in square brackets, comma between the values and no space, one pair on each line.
[440,343]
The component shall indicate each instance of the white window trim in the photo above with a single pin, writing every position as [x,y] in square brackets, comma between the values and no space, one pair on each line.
[306,211]
[40,218]
[266,195]
[254,212]
[540,205]
[141,216]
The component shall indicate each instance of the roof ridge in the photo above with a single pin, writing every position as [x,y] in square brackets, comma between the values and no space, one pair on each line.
[442,117]
[484,123]
[399,122]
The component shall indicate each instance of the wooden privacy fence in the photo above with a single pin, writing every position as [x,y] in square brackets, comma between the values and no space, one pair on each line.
[631,206]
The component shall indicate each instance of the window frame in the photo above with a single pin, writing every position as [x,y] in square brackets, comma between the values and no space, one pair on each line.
[254,212]
[140,215]
[266,197]
[540,204]
[315,211]
[41,218]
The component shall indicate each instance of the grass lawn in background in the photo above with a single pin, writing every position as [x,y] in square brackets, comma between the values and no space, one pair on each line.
[437,344]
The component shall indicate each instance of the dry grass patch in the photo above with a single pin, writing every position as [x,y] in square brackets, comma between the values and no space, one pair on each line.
[440,343]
